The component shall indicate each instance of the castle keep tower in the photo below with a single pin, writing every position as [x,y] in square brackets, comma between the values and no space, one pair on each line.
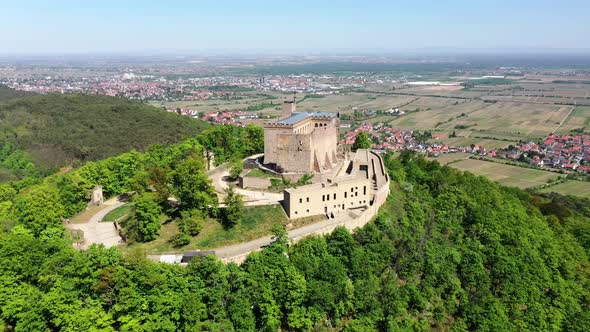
[301,142]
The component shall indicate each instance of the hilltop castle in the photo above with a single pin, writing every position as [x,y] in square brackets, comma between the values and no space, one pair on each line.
[307,143]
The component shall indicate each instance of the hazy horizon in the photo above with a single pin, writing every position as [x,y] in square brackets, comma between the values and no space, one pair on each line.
[279,27]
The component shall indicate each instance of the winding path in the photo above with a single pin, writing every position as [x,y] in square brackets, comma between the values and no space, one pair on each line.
[95,231]
[238,252]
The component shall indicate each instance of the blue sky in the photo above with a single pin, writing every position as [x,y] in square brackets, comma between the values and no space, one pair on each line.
[174,26]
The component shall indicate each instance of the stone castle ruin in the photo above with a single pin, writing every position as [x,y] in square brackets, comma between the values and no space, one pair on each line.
[301,143]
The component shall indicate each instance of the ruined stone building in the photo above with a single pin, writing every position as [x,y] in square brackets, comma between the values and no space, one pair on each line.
[307,142]
[355,184]
[301,142]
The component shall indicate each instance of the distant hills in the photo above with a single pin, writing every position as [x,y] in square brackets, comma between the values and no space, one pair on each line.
[55,130]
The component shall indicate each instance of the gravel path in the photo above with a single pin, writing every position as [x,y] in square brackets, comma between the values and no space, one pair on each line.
[251,197]
[100,232]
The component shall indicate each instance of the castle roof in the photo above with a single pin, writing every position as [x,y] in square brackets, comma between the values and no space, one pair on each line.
[300,116]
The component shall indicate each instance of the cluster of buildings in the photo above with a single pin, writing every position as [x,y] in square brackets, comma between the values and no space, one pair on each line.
[308,83]
[227,117]
[387,138]
[556,151]
[566,152]
[235,118]
[167,84]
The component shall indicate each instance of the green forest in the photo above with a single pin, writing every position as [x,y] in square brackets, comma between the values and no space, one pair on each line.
[8,93]
[41,133]
[449,251]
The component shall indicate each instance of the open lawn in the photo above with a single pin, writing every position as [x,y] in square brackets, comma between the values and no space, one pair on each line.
[118,213]
[85,215]
[569,187]
[507,175]
[256,222]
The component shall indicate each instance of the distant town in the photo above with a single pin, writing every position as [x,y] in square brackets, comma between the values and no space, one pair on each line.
[233,93]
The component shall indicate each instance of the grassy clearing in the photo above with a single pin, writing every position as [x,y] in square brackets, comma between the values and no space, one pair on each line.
[569,187]
[85,215]
[256,222]
[257,173]
[118,213]
[507,175]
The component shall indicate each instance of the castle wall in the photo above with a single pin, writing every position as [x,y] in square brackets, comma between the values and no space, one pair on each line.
[359,188]
[308,146]
[288,150]
[324,143]
[298,234]
[315,199]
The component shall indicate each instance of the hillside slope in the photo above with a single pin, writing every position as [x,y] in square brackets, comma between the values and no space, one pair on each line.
[449,251]
[9,93]
[55,130]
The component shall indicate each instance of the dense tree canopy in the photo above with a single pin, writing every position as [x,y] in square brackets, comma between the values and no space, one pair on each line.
[234,207]
[8,93]
[361,141]
[224,143]
[49,131]
[192,186]
[448,251]
[145,223]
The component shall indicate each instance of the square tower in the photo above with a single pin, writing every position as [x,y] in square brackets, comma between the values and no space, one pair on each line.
[301,142]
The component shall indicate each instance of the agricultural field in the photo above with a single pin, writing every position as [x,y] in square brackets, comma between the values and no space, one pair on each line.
[342,102]
[240,101]
[386,102]
[569,187]
[437,116]
[467,141]
[513,117]
[442,91]
[579,118]
[425,103]
[447,158]
[545,92]
[507,175]
[529,108]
